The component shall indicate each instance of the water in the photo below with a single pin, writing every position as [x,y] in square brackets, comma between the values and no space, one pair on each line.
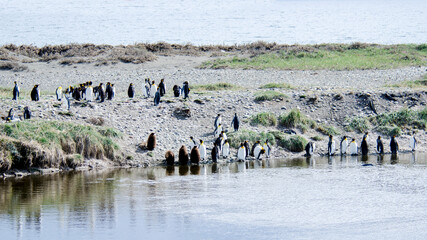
[44,22]
[316,198]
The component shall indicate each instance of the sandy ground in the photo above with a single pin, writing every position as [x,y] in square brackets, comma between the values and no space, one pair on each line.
[138,117]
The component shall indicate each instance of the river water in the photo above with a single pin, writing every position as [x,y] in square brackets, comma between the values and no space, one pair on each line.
[318,198]
[44,22]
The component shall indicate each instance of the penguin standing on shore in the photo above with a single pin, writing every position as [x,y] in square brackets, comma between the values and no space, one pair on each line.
[162,87]
[15,91]
[241,153]
[109,91]
[364,145]
[258,151]
[89,92]
[235,122]
[343,145]
[331,146]
[353,147]
[101,92]
[252,153]
[380,145]
[153,89]
[412,142]
[218,131]
[217,121]
[310,148]
[151,142]
[195,155]
[157,97]
[185,89]
[170,158]
[247,148]
[394,146]
[202,149]
[11,115]
[215,153]
[219,142]
[267,148]
[225,149]
[192,143]
[183,155]
[35,93]
[146,88]
[176,90]
[59,93]
[27,113]
[131,91]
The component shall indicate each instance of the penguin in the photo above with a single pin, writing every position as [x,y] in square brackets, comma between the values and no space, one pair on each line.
[310,148]
[192,143]
[331,146]
[183,155]
[89,93]
[364,145]
[11,115]
[257,143]
[157,97]
[176,90]
[394,146]
[35,93]
[235,123]
[258,151]
[151,142]
[353,147]
[146,88]
[27,113]
[219,141]
[109,91]
[153,89]
[101,92]
[224,136]
[343,145]
[68,97]
[241,153]
[170,158]
[215,153]
[185,89]
[380,145]
[247,148]
[162,87]
[76,94]
[202,149]
[366,136]
[113,91]
[59,93]
[195,155]
[413,142]
[131,91]
[217,121]
[225,149]
[218,131]
[15,91]
[267,148]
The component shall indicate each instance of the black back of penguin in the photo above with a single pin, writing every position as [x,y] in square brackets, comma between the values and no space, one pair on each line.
[131,91]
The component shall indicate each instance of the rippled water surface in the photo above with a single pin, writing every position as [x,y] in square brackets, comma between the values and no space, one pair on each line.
[43,22]
[316,198]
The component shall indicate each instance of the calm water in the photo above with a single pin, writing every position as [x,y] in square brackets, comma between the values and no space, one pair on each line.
[43,22]
[280,199]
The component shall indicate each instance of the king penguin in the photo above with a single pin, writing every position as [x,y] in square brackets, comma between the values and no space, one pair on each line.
[162,87]
[170,158]
[353,147]
[153,89]
[310,148]
[235,123]
[89,92]
[195,155]
[364,145]
[226,149]
[267,148]
[258,151]
[218,131]
[215,153]
[247,148]
[394,146]
[202,149]
[59,93]
[27,113]
[331,146]
[151,142]
[413,142]
[35,93]
[15,91]
[343,145]
[241,153]
[217,121]
[131,91]
[183,155]
[380,145]
[157,97]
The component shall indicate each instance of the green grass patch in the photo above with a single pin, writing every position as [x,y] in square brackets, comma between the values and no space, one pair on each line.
[264,119]
[293,143]
[294,118]
[277,85]
[214,87]
[403,118]
[389,131]
[333,57]
[359,124]
[269,95]
[328,130]
[416,84]
[235,138]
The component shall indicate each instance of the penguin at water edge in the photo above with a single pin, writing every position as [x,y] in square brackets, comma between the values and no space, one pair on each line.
[195,155]
[380,145]
[183,155]
[310,148]
[170,157]
[331,146]
[202,149]
[364,146]
[215,153]
[247,148]
[267,148]
[151,142]
[241,153]
[353,147]
[394,146]
[343,145]
[258,151]
[226,149]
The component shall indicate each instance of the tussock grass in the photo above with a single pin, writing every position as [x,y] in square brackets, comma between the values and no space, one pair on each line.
[416,84]
[293,143]
[264,119]
[294,118]
[269,95]
[330,56]
[13,66]
[403,118]
[277,85]
[235,138]
[328,130]
[389,131]
[359,124]
[214,87]
[48,143]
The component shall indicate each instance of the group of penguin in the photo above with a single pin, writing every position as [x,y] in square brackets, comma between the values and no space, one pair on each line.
[221,147]
[352,148]
[86,91]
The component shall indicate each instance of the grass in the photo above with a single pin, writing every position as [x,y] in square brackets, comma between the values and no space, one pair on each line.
[235,138]
[294,118]
[416,84]
[293,143]
[332,57]
[29,143]
[403,118]
[264,119]
[328,130]
[359,124]
[277,85]
[389,131]
[269,95]
[214,87]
